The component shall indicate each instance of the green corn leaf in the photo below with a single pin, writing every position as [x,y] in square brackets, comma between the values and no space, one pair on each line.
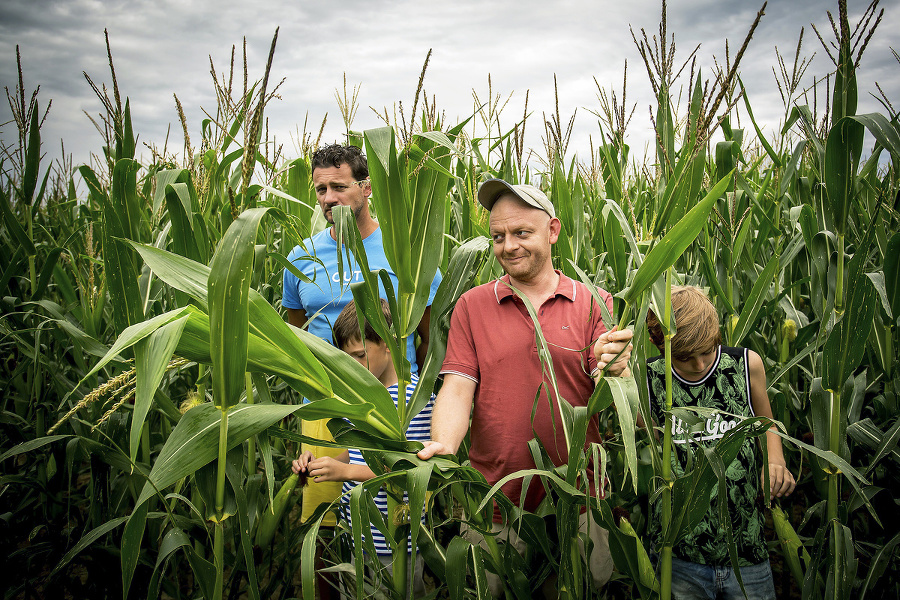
[47,272]
[879,564]
[14,268]
[755,301]
[665,131]
[669,249]
[844,96]
[14,227]
[417,486]
[845,346]
[881,443]
[792,168]
[194,441]
[804,115]
[236,480]
[389,196]
[354,385]
[878,282]
[131,544]
[91,537]
[130,337]
[262,356]
[204,571]
[842,151]
[682,187]
[356,502]
[125,141]
[482,588]
[119,220]
[616,255]
[710,272]
[623,391]
[456,566]
[151,367]
[843,562]
[186,240]
[308,560]
[163,179]
[885,132]
[892,274]
[759,134]
[430,187]
[180,272]
[124,199]
[31,445]
[174,539]
[32,156]
[229,306]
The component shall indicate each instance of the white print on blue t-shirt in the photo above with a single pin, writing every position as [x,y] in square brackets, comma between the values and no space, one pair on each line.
[349,276]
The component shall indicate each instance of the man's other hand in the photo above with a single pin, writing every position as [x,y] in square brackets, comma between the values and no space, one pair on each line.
[610,344]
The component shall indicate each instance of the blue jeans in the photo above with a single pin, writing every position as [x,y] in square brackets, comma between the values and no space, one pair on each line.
[692,581]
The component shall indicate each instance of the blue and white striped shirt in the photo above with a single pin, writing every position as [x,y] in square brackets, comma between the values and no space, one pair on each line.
[419,431]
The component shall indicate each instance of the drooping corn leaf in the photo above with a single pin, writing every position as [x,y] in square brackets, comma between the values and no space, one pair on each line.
[151,366]
[669,249]
[229,306]
[194,441]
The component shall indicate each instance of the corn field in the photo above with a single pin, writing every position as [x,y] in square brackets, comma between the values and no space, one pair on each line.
[152,390]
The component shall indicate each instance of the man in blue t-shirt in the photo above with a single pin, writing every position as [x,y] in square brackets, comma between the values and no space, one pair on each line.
[340,176]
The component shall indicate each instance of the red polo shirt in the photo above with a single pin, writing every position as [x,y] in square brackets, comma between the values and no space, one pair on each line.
[492,342]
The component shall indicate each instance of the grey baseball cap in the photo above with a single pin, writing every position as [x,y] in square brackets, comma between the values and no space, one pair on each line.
[492,189]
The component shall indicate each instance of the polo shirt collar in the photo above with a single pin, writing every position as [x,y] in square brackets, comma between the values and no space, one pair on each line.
[565,288]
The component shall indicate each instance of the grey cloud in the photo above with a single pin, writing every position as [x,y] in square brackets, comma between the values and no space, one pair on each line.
[162,47]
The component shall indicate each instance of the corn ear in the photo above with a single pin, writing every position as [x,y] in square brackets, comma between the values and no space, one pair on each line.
[791,545]
[270,519]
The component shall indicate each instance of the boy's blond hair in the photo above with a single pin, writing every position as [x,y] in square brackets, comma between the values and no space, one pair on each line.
[696,324]
[346,326]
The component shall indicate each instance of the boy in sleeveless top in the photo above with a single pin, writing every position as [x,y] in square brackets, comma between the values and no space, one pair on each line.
[732,380]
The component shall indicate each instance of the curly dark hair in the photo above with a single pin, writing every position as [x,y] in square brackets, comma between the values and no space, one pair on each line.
[336,155]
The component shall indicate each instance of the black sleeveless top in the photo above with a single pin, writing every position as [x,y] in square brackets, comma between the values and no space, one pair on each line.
[725,387]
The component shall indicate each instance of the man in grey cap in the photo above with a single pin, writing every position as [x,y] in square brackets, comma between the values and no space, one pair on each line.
[492,369]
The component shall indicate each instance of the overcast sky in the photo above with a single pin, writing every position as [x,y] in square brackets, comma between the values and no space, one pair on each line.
[161,47]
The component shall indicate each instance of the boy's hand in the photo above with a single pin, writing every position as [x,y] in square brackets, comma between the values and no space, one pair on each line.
[608,345]
[327,469]
[781,482]
[299,465]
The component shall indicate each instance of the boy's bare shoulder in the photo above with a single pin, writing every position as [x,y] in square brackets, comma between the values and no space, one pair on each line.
[755,361]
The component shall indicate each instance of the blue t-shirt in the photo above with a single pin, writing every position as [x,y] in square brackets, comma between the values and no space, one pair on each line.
[419,431]
[325,298]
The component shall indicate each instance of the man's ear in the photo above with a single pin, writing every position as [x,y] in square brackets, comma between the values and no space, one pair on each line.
[555,228]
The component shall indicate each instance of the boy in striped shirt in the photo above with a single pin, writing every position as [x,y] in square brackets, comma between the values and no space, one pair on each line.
[350,467]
